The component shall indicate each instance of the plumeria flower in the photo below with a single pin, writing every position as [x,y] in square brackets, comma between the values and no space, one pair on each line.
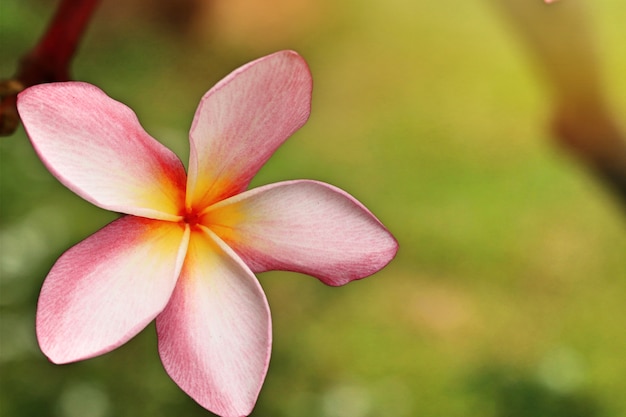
[188,244]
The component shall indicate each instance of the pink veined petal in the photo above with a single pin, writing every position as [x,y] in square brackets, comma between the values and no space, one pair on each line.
[215,333]
[303,226]
[96,147]
[103,291]
[241,121]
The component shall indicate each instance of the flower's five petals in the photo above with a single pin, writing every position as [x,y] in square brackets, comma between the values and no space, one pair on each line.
[304,226]
[96,147]
[188,247]
[107,288]
[215,334]
[241,121]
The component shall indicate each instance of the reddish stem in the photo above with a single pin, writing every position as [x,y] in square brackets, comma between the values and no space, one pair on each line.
[49,60]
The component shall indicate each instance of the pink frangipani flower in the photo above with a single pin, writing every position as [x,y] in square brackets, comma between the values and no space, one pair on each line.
[188,244]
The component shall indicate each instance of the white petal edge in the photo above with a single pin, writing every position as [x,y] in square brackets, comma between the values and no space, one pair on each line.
[215,334]
[96,147]
[107,288]
[304,226]
[242,120]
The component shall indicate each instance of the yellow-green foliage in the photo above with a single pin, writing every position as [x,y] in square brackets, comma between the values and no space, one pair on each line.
[507,296]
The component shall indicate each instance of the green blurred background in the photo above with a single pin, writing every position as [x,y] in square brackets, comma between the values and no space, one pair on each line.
[507,296]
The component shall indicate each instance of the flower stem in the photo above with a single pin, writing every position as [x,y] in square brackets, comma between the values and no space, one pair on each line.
[49,60]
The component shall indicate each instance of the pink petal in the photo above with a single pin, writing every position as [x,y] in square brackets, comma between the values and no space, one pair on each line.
[107,288]
[96,147]
[241,121]
[215,334]
[304,226]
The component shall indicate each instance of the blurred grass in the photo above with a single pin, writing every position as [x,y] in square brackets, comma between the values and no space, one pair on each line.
[507,296]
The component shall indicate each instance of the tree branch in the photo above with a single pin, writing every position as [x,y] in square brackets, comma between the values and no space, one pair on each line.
[561,39]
